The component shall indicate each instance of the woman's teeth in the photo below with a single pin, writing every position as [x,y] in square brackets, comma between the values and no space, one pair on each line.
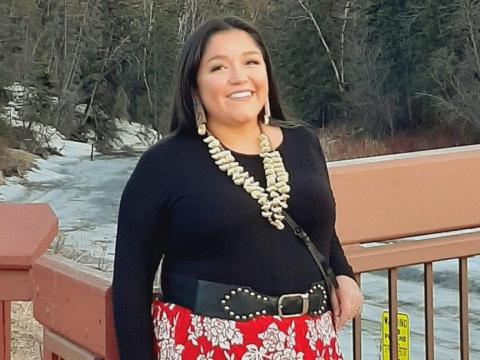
[241,95]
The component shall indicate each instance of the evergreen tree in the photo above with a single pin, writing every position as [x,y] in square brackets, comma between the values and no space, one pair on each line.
[406,34]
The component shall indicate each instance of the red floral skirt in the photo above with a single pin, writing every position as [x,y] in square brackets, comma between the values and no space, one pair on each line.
[180,334]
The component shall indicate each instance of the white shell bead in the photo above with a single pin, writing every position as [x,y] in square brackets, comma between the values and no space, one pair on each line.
[277,210]
[255,194]
[209,139]
[220,154]
[236,176]
[263,200]
[238,181]
[249,181]
[214,144]
[223,161]
[272,188]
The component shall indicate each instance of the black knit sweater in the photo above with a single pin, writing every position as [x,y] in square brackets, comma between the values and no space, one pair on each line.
[179,205]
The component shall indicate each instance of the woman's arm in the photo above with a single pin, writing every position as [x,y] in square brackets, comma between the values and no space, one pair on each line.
[138,251]
[338,260]
[348,298]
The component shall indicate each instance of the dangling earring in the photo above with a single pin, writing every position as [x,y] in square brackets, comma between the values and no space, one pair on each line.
[200,117]
[267,115]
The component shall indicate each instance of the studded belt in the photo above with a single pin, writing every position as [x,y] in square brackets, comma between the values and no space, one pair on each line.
[241,303]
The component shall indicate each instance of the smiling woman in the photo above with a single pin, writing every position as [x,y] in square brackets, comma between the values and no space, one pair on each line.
[211,199]
[232,82]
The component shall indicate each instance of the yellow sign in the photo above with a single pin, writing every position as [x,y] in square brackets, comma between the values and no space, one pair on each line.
[403,328]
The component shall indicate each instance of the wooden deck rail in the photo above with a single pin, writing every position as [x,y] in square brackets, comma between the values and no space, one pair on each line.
[26,231]
[394,197]
[378,200]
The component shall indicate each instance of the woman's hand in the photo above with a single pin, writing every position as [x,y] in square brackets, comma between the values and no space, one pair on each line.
[347,301]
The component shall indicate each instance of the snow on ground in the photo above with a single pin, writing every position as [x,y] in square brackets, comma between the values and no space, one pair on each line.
[132,135]
[83,194]
[129,135]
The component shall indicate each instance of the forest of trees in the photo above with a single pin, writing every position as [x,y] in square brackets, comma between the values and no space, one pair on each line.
[383,65]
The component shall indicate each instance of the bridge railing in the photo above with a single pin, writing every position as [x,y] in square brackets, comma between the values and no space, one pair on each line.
[381,200]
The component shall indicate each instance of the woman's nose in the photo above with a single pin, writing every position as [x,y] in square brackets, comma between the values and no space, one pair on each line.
[237,75]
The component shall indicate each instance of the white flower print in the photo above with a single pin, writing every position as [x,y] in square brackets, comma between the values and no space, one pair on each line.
[312,334]
[222,333]
[170,351]
[195,330]
[164,333]
[291,336]
[273,339]
[320,329]
[287,354]
[207,356]
[254,353]
[325,329]
[163,328]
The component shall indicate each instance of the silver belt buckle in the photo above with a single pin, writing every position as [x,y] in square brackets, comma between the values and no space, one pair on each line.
[286,296]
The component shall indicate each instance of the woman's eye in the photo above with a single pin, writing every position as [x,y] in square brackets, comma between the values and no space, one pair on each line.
[253,62]
[218,67]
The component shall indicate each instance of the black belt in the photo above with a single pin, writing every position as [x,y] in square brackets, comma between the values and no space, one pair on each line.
[242,303]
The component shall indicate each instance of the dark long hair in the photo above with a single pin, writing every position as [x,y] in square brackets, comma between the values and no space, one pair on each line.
[183,115]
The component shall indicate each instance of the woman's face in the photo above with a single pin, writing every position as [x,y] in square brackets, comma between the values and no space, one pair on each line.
[232,78]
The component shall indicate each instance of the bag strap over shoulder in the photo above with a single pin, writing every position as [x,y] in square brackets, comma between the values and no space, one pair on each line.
[320,260]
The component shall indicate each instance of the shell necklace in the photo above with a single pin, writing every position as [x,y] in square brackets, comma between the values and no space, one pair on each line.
[274,198]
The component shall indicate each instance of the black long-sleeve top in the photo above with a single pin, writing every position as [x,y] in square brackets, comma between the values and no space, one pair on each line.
[179,205]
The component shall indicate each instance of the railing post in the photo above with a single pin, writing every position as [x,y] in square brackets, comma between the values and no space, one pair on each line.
[357,330]
[5,331]
[463,290]
[393,310]
[26,232]
[428,295]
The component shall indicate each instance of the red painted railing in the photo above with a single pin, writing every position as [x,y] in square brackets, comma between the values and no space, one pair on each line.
[378,199]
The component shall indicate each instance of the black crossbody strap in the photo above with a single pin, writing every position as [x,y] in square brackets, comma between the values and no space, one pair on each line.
[327,274]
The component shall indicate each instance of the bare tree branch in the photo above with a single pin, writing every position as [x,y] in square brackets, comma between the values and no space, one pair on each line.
[325,45]
[348,5]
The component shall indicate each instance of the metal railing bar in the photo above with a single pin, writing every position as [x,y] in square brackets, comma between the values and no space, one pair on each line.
[393,309]
[463,290]
[357,330]
[428,296]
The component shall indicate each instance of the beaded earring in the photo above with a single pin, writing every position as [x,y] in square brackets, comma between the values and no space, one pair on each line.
[267,115]
[200,117]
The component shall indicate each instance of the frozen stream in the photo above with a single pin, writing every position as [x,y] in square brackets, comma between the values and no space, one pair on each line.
[85,195]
